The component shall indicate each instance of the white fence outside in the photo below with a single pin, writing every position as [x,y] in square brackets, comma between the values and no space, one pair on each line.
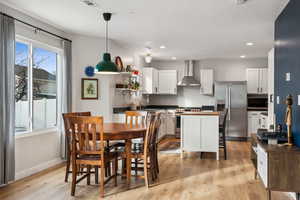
[44,114]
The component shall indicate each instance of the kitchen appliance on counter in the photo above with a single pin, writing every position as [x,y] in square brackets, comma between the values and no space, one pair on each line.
[233,96]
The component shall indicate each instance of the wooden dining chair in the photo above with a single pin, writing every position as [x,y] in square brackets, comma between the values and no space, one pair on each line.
[222,134]
[135,118]
[147,155]
[66,117]
[88,148]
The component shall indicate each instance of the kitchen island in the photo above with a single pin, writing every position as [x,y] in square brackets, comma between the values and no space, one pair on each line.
[200,132]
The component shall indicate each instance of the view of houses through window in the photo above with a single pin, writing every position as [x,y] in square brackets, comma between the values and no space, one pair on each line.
[35,87]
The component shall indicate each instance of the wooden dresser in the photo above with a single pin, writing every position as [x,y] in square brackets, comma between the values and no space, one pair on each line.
[277,166]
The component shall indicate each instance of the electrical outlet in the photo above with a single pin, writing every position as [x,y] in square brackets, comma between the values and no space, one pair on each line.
[278,99]
[288,76]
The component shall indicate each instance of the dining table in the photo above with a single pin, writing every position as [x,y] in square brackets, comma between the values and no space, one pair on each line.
[126,132]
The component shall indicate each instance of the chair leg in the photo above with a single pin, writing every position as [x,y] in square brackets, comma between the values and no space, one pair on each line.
[106,170]
[74,176]
[224,143]
[67,168]
[88,180]
[156,161]
[146,172]
[102,181]
[116,171]
[96,174]
[123,168]
[136,166]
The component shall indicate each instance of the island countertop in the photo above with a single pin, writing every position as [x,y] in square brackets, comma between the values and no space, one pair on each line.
[201,113]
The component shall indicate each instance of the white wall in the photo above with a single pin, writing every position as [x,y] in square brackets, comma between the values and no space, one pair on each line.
[88,51]
[232,69]
[224,70]
[39,151]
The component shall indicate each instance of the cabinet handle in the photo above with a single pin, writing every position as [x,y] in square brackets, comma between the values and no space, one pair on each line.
[257,90]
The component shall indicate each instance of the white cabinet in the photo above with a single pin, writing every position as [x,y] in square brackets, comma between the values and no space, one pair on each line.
[257,81]
[167,82]
[264,81]
[159,81]
[262,164]
[263,121]
[150,80]
[200,133]
[167,125]
[207,81]
[119,118]
[253,122]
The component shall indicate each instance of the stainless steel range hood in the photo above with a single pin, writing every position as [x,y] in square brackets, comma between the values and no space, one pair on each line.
[188,75]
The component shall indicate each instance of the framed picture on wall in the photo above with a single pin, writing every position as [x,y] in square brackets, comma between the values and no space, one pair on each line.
[89,89]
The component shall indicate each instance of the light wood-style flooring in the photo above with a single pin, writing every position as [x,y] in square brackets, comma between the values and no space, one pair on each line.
[187,179]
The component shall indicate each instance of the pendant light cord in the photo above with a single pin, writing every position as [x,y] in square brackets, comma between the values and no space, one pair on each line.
[106,36]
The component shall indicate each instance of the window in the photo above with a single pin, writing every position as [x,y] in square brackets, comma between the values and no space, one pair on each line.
[35,86]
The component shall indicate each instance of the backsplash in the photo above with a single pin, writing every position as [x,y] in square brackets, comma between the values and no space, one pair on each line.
[186,97]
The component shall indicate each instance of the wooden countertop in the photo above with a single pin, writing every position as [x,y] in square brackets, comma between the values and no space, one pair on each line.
[201,113]
[279,148]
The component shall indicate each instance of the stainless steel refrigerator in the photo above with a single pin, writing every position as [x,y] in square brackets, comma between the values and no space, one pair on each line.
[233,95]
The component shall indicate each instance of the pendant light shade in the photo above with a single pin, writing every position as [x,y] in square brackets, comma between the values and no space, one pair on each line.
[148,58]
[106,66]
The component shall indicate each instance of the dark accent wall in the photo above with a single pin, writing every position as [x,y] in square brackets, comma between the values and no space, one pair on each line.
[287,59]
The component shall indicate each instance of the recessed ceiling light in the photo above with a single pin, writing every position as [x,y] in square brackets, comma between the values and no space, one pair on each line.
[249,43]
[162,47]
[242,56]
[173,58]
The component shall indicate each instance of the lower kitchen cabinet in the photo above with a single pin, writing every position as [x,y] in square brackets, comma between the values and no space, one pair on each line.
[167,126]
[277,166]
[253,122]
[200,133]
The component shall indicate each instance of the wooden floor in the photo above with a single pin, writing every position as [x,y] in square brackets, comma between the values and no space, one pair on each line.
[187,179]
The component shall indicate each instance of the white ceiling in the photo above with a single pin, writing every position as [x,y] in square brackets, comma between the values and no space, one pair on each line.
[190,29]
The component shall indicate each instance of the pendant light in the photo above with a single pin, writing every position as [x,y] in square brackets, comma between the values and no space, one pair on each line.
[106,66]
[148,57]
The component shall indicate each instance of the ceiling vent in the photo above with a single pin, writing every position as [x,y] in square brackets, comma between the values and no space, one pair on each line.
[89,3]
[240,1]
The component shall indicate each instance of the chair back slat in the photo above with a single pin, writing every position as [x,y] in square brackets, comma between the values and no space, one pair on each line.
[84,132]
[66,117]
[152,131]
[225,119]
[132,118]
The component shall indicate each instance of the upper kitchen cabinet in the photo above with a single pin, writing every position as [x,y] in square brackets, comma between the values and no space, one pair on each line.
[207,81]
[167,82]
[150,80]
[257,81]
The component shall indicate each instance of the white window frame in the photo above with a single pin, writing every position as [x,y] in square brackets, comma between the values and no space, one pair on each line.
[37,44]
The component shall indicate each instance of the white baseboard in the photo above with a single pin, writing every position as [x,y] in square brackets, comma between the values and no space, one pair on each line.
[38,168]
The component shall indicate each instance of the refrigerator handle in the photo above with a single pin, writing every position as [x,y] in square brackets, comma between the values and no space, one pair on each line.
[229,102]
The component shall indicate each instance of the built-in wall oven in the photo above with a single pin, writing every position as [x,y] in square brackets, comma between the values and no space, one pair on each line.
[257,102]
